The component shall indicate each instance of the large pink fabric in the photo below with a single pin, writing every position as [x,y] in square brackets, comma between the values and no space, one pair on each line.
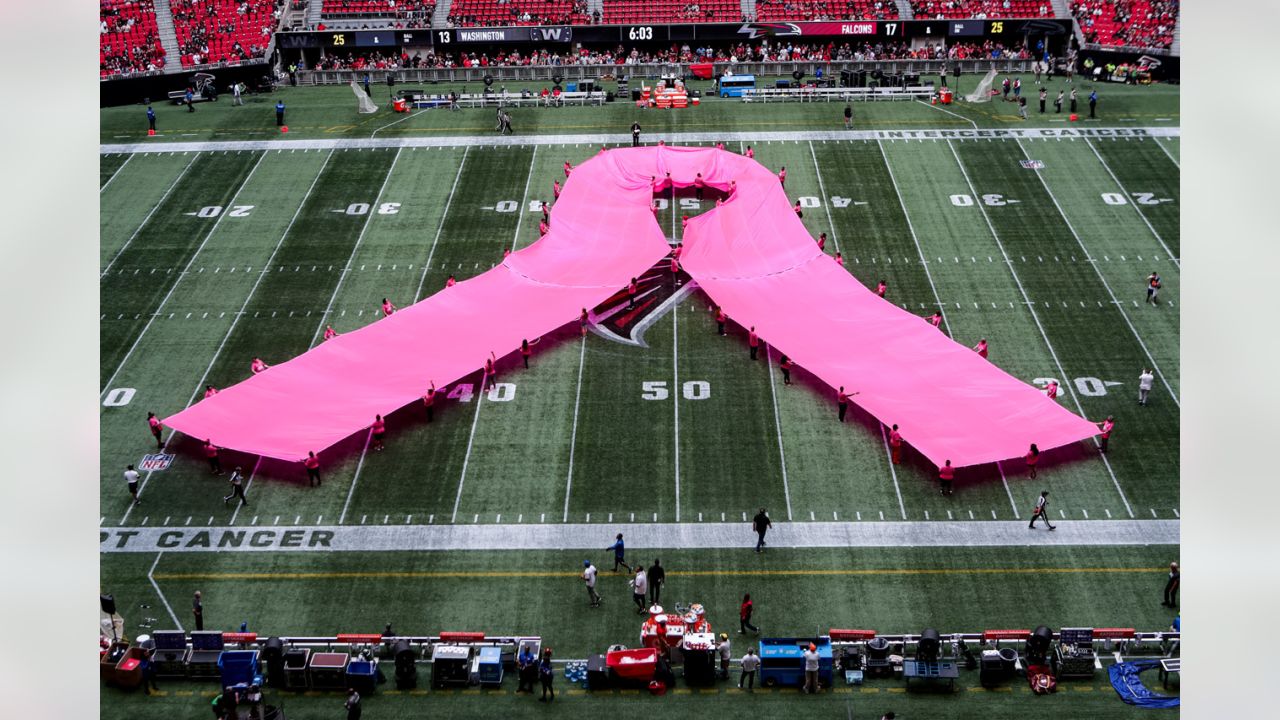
[751,255]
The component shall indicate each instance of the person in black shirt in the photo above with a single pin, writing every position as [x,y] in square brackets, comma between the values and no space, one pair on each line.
[197,609]
[1171,587]
[635,134]
[657,576]
[761,525]
[1044,95]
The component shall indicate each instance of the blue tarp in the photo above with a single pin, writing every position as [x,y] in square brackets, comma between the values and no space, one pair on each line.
[1124,678]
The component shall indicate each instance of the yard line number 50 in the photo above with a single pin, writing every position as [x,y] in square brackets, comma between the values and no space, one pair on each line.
[691,389]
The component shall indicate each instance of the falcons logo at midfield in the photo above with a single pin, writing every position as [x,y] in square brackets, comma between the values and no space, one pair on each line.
[755,30]
[657,294]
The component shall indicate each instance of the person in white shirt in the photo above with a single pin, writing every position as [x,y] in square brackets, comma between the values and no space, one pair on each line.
[640,589]
[810,669]
[750,663]
[726,653]
[589,577]
[131,477]
[1145,381]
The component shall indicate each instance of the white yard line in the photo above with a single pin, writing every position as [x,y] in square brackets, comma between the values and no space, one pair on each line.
[178,281]
[893,471]
[426,266]
[524,199]
[248,483]
[924,262]
[777,423]
[114,175]
[160,593]
[1167,154]
[835,237]
[1106,285]
[235,318]
[466,459]
[675,397]
[1035,317]
[146,219]
[364,452]
[368,220]
[1003,481]
[1136,207]
[395,122]
[573,435]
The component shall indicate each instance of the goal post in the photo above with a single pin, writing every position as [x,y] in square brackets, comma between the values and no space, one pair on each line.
[983,91]
[364,101]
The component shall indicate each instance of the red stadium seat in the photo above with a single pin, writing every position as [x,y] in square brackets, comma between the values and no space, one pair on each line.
[130,41]
[216,31]
[1132,23]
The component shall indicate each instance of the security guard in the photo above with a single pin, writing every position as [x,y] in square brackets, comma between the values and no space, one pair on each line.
[279,113]
[635,134]
[151,119]
[1093,103]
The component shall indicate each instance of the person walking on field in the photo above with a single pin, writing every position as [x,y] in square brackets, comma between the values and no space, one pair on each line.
[547,675]
[785,364]
[753,341]
[726,654]
[154,423]
[635,134]
[378,431]
[657,578]
[744,616]
[981,348]
[761,524]
[211,453]
[1153,288]
[589,578]
[131,477]
[750,663]
[1171,587]
[895,444]
[946,474]
[848,125]
[1033,457]
[197,610]
[1107,426]
[1042,511]
[619,554]
[237,488]
[1145,381]
[640,589]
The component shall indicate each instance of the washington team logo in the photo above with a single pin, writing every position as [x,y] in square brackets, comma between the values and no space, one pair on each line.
[658,293]
[155,462]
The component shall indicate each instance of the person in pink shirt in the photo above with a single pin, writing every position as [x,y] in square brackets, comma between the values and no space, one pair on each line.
[490,372]
[154,423]
[546,213]
[653,207]
[211,454]
[506,253]
[822,241]
[699,185]
[258,366]
[379,429]
[785,363]
[1033,458]
[842,401]
[555,189]
[798,211]
[839,259]
[543,228]
[719,146]
[753,341]
[675,267]
[935,319]
[1051,390]
[981,348]
[1107,426]
[881,288]
[312,464]
[632,290]
[450,282]
[721,319]
[210,391]
[782,176]
[684,222]
[568,168]
[946,474]
[582,322]
[387,307]
[751,154]
[526,351]
[329,332]
[895,444]
[429,401]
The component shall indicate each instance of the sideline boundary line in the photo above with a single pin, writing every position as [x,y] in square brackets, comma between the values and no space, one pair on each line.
[1034,315]
[624,139]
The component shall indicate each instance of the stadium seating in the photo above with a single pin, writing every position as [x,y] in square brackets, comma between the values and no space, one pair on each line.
[961,9]
[1135,23]
[214,31]
[770,10]
[129,38]
[671,11]
[409,13]
[489,13]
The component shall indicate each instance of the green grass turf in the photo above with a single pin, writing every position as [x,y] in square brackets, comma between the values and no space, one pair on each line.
[330,112]
[283,262]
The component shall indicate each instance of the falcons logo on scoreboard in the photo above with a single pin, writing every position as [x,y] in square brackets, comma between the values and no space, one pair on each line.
[755,30]
[657,294]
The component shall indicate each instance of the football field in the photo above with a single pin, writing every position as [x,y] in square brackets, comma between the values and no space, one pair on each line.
[216,251]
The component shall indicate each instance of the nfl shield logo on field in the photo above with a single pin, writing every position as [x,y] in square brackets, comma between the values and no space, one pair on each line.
[1033,164]
[155,462]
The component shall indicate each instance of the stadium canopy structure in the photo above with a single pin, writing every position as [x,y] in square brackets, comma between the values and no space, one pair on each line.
[751,255]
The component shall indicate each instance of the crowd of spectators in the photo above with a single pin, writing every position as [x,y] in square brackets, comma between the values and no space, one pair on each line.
[404,14]
[495,13]
[980,9]
[215,31]
[763,51]
[769,10]
[1132,23]
[129,40]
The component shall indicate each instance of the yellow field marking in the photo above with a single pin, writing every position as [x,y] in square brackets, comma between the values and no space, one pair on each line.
[482,574]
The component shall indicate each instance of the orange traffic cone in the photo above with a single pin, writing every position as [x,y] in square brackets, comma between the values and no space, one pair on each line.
[284,128]
[151,133]
[1074,117]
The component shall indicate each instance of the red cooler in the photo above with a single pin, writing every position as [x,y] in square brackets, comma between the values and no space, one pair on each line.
[946,96]
[398,105]
[638,664]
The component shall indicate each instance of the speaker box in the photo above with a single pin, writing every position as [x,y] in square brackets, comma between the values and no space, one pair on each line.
[273,656]
[406,665]
[597,673]
[1039,642]
[846,79]
[860,78]
[635,94]
[391,79]
[928,646]
[108,603]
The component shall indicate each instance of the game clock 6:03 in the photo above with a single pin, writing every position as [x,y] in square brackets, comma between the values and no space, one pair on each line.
[640,32]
